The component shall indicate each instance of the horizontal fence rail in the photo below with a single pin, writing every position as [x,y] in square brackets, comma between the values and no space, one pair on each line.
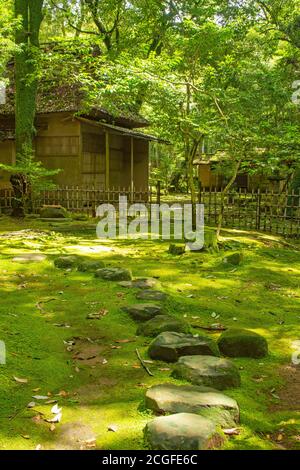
[268,211]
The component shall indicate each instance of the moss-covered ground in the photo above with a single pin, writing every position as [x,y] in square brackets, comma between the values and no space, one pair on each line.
[42,309]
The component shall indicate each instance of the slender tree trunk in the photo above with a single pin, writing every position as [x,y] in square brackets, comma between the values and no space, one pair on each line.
[223,194]
[26,82]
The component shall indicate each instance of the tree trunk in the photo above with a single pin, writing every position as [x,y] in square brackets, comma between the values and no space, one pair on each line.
[26,82]
[223,194]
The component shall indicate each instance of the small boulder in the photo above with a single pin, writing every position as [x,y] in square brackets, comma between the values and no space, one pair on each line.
[242,343]
[175,249]
[170,398]
[90,266]
[66,262]
[143,312]
[53,212]
[149,294]
[169,346]
[114,274]
[182,431]
[162,323]
[234,259]
[215,372]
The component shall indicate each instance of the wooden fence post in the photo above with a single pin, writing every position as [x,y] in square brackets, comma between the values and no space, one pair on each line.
[158,192]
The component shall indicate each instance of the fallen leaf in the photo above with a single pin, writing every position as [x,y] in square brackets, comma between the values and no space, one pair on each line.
[38,447]
[231,432]
[63,393]
[52,427]
[21,381]
[36,419]
[51,402]
[112,428]
[279,438]
[31,404]
[36,389]
[40,397]
[55,419]
[124,341]
[55,410]
[164,369]
[25,436]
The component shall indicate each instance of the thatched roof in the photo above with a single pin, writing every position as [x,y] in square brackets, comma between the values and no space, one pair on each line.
[63,95]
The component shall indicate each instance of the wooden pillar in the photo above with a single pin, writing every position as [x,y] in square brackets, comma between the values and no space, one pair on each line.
[107,160]
[132,168]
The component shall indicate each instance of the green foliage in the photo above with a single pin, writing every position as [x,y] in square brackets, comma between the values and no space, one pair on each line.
[38,177]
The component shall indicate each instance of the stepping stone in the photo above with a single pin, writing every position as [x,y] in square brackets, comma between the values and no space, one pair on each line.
[143,312]
[209,371]
[90,266]
[142,283]
[169,346]
[242,343]
[151,295]
[182,431]
[170,398]
[162,323]
[114,274]
[66,262]
[29,258]
[234,259]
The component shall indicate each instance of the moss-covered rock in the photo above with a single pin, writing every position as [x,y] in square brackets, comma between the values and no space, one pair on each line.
[149,294]
[234,258]
[66,262]
[242,343]
[209,371]
[90,266]
[53,212]
[143,312]
[162,323]
[114,274]
[176,249]
[169,346]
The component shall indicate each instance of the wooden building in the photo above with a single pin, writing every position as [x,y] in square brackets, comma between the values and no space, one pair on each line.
[211,177]
[92,147]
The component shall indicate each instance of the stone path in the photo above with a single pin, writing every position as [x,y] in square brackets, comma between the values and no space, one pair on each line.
[195,413]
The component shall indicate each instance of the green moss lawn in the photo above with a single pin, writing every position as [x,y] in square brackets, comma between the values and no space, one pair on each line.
[99,382]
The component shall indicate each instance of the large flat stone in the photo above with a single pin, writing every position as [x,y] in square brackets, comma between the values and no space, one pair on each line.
[243,343]
[143,312]
[182,431]
[169,346]
[170,398]
[209,371]
[149,294]
[162,323]
[114,274]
